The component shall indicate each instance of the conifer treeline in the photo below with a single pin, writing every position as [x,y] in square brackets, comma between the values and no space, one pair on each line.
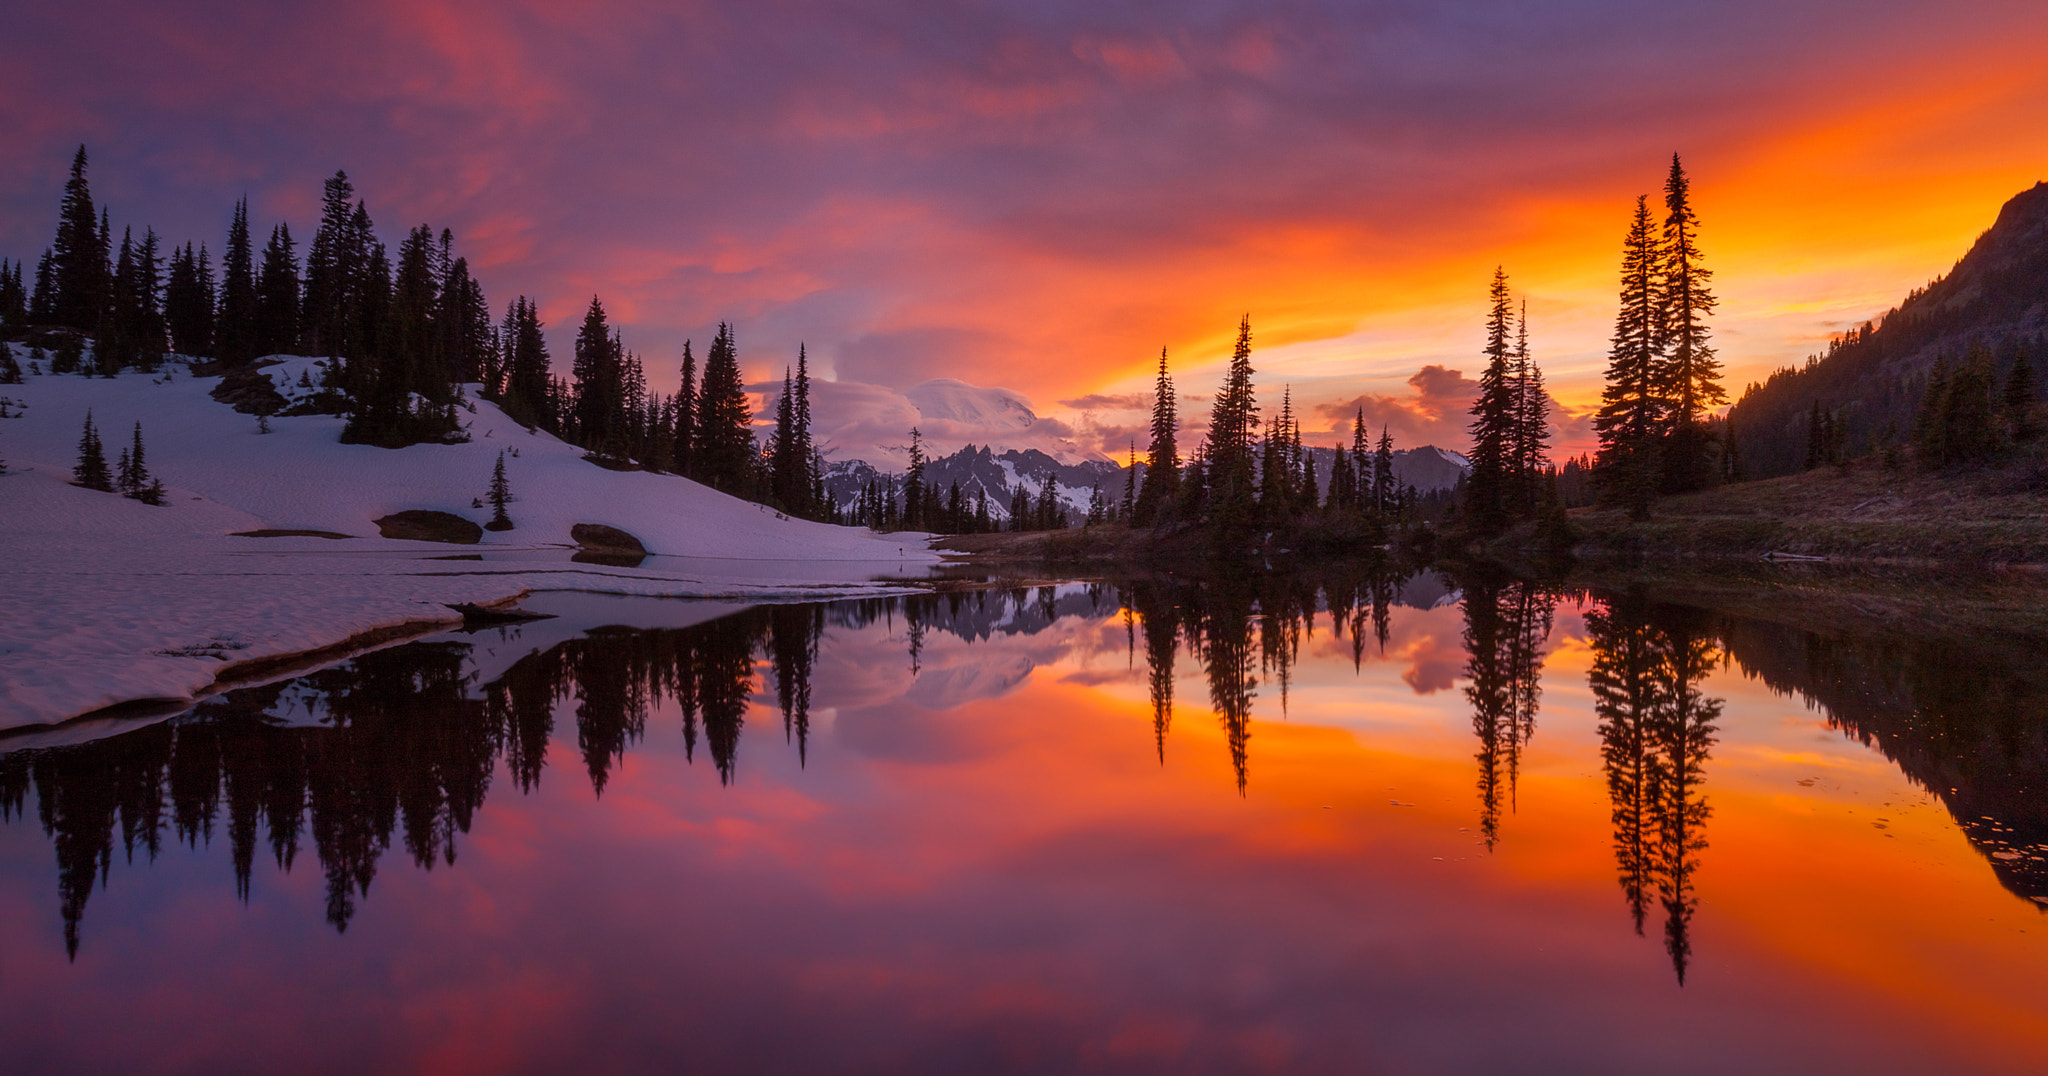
[402,336]
[1242,480]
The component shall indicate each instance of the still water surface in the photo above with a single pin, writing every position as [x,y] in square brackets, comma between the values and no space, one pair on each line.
[1347,823]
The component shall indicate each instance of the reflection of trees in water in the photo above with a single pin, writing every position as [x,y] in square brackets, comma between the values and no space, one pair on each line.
[397,742]
[1506,626]
[1962,717]
[401,742]
[1216,617]
[1656,730]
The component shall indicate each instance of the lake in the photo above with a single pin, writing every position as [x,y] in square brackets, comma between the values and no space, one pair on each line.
[1348,819]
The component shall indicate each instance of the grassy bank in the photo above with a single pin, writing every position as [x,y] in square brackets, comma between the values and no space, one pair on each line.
[1861,513]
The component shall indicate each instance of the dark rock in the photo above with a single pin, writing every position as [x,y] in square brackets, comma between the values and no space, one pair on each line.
[609,560]
[598,538]
[248,390]
[420,525]
[289,534]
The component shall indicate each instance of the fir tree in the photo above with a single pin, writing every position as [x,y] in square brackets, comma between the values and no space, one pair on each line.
[1162,459]
[1690,374]
[1130,484]
[686,416]
[188,305]
[782,444]
[91,470]
[500,495]
[528,394]
[10,369]
[1532,422]
[1233,426]
[332,263]
[1051,516]
[132,476]
[1633,406]
[1385,496]
[277,295]
[13,300]
[1489,485]
[807,475]
[235,328]
[913,483]
[724,447]
[2018,400]
[78,273]
[116,345]
[600,389]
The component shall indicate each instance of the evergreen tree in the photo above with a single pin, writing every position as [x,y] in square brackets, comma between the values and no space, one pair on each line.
[188,304]
[1130,501]
[1229,466]
[807,475]
[600,389]
[528,394]
[13,300]
[1162,459]
[782,444]
[277,295]
[235,328]
[10,369]
[686,416]
[91,470]
[500,496]
[1633,406]
[332,263]
[1343,487]
[78,271]
[1691,375]
[116,345]
[1532,422]
[1489,484]
[724,450]
[913,483]
[463,320]
[1051,515]
[2018,400]
[132,476]
[1385,495]
[792,471]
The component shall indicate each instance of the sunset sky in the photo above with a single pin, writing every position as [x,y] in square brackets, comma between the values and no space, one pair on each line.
[1039,197]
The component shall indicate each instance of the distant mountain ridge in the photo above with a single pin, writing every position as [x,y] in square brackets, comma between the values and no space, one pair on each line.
[999,474]
[1996,298]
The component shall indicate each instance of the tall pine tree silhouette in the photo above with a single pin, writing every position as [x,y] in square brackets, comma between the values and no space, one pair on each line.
[1691,374]
[724,452]
[1162,458]
[235,328]
[78,270]
[1633,406]
[1231,471]
[1489,485]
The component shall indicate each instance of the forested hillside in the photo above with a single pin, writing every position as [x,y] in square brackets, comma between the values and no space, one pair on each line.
[1965,333]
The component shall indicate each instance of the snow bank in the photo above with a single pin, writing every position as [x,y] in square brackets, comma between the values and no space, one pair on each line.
[105,600]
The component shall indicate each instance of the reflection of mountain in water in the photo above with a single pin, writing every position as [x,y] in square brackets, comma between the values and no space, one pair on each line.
[1969,723]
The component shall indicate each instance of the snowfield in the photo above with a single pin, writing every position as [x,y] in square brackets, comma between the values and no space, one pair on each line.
[105,600]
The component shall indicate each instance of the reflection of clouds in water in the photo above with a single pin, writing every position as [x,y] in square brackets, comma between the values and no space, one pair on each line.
[989,678]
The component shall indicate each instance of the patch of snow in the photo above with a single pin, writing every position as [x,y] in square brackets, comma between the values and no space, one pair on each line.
[108,600]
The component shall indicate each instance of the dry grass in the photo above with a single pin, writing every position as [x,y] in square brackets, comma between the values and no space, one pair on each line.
[1861,513]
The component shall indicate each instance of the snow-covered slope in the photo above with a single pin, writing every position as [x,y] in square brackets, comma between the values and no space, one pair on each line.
[105,600]
[299,476]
